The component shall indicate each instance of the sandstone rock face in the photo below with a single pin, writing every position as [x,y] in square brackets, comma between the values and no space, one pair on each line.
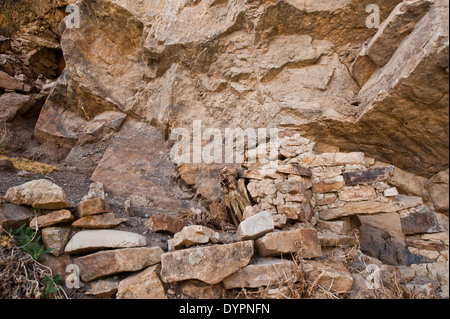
[92,240]
[391,97]
[208,264]
[129,169]
[41,194]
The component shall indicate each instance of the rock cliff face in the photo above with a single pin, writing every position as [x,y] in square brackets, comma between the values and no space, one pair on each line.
[103,90]
[306,66]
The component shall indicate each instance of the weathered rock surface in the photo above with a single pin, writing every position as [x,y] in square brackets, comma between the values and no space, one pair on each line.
[420,222]
[54,218]
[102,221]
[41,194]
[331,275]
[92,240]
[256,226]
[209,264]
[391,99]
[143,285]
[438,188]
[106,263]
[165,224]
[93,206]
[103,288]
[129,169]
[200,290]
[382,237]
[304,242]
[192,236]
[13,216]
[14,104]
[55,238]
[367,208]
[264,272]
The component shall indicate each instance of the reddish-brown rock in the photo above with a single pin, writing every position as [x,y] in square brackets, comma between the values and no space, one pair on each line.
[165,224]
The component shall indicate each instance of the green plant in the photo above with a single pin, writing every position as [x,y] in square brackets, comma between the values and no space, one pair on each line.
[50,286]
[28,241]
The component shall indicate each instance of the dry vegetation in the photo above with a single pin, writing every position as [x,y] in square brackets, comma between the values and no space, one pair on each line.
[22,277]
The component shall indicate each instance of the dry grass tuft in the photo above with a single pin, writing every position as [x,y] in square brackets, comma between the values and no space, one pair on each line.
[23,164]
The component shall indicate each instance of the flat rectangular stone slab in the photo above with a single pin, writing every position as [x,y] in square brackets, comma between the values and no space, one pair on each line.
[264,272]
[371,175]
[210,264]
[369,207]
[305,242]
[111,262]
[92,240]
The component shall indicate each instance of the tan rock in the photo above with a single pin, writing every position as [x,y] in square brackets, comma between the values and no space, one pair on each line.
[103,288]
[209,264]
[328,240]
[55,238]
[41,194]
[421,59]
[143,285]
[165,224]
[200,290]
[148,173]
[327,199]
[256,226]
[335,159]
[369,207]
[93,207]
[356,195]
[250,211]
[263,272]
[302,241]
[323,187]
[299,212]
[92,240]
[339,227]
[58,217]
[192,236]
[14,104]
[10,83]
[438,188]
[331,275]
[101,221]
[110,262]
